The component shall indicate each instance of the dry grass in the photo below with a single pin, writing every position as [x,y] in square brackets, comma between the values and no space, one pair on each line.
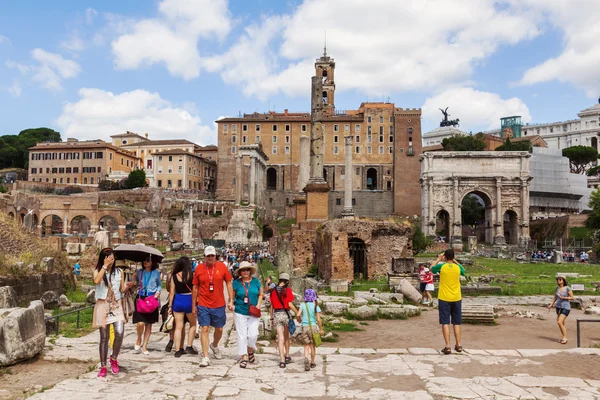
[18,245]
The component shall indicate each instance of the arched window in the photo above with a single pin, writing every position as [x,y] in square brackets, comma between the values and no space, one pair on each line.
[271,179]
[371,179]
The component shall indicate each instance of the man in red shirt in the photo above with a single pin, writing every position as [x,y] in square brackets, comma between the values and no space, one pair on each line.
[208,300]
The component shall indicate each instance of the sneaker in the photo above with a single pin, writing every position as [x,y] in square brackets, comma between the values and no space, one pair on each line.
[169,346]
[137,348]
[216,351]
[102,373]
[191,350]
[306,364]
[179,353]
[205,362]
[114,366]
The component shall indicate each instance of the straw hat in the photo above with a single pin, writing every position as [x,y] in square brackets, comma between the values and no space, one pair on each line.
[246,265]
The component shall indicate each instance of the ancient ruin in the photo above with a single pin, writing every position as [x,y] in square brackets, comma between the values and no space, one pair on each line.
[500,179]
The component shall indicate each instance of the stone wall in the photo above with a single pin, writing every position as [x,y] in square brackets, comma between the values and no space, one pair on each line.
[368,203]
[28,185]
[303,238]
[32,287]
[383,241]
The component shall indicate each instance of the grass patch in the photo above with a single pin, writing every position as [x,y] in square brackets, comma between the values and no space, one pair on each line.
[76,296]
[526,279]
[267,269]
[581,233]
[68,323]
[285,225]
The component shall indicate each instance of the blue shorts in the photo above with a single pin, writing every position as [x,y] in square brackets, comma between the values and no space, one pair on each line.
[182,303]
[214,317]
[422,286]
[563,311]
[448,309]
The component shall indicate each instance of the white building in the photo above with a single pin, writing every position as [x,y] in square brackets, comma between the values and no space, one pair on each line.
[436,136]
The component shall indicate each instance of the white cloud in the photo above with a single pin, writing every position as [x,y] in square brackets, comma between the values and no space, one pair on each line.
[90,15]
[51,70]
[98,114]
[172,38]
[476,110]
[4,39]
[406,45]
[579,62]
[74,43]
[15,89]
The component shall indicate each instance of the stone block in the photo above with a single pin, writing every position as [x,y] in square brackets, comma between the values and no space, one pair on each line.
[397,311]
[50,324]
[8,297]
[409,291]
[339,285]
[91,297]
[335,308]
[363,312]
[47,264]
[50,299]
[22,333]
[63,301]
[592,310]
[73,248]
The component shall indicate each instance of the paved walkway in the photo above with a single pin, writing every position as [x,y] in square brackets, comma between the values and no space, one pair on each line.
[341,373]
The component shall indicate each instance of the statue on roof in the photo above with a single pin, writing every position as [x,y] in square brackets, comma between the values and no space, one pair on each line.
[446,121]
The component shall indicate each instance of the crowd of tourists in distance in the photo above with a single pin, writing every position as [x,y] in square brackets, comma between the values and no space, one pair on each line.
[197,301]
[567,256]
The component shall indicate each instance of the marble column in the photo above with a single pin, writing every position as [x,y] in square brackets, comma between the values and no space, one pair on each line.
[238,182]
[348,212]
[316,132]
[499,234]
[430,215]
[456,226]
[252,185]
[304,166]
[525,238]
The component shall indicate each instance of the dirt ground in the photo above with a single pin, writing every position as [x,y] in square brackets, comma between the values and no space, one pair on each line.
[508,333]
[21,380]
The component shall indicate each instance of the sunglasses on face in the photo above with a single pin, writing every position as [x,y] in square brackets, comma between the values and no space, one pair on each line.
[210,255]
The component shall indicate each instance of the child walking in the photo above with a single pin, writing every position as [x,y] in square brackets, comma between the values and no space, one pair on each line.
[309,314]
[428,279]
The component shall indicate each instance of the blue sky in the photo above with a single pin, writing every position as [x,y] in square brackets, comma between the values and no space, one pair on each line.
[91,69]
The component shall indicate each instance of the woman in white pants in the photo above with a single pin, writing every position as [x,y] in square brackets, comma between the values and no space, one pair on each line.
[248,291]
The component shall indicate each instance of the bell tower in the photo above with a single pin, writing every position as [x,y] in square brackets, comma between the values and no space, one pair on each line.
[325,69]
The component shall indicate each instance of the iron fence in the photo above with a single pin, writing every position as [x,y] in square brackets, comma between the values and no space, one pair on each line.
[579,330]
[57,317]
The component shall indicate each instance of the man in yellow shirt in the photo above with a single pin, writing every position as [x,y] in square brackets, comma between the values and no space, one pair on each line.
[449,296]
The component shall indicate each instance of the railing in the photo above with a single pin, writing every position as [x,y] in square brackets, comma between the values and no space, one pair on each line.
[578,329]
[57,317]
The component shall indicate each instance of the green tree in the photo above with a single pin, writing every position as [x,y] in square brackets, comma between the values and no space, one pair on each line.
[593,220]
[523,145]
[472,210]
[136,178]
[420,241]
[14,149]
[594,171]
[464,143]
[580,157]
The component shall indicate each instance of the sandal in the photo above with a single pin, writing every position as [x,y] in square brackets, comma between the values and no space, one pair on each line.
[458,348]
[446,350]
[563,341]
[251,358]
[313,365]
[282,365]
[243,364]
[288,359]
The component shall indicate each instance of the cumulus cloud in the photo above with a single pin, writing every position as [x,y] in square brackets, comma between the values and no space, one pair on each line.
[476,110]
[578,63]
[407,45]
[98,114]
[74,43]
[50,71]
[172,37]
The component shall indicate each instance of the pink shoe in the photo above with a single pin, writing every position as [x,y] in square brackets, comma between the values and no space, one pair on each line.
[102,373]
[114,366]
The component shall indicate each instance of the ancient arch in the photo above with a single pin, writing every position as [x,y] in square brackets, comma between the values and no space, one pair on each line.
[372,179]
[358,255]
[52,224]
[80,225]
[108,223]
[511,227]
[442,225]
[501,179]
[267,233]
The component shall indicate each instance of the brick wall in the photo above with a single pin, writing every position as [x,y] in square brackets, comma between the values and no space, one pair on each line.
[407,168]
[369,203]
[27,185]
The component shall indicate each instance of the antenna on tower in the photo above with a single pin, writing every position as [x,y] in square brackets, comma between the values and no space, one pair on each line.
[325,46]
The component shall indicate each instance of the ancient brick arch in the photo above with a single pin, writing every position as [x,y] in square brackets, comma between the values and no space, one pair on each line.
[501,179]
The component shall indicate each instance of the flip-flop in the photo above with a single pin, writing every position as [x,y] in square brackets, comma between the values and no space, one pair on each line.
[563,341]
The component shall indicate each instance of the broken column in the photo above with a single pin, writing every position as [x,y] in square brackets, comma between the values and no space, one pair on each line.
[238,181]
[304,167]
[348,212]
[317,207]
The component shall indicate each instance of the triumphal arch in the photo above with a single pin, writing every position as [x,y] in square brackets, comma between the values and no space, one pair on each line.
[500,180]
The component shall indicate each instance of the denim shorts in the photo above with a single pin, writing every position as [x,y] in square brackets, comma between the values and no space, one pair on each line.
[214,317]
[450,310]
[563,311]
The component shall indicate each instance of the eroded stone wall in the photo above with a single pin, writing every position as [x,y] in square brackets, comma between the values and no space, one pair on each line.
[32,287]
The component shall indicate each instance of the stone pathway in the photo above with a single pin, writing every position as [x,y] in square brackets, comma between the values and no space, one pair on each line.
[341,373]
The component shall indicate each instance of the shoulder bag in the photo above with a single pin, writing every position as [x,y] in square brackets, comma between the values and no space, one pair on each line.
[316,337]
[252,309]
[291,323]
[148,304]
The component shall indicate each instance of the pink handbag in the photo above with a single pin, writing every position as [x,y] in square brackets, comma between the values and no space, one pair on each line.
[147,305]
